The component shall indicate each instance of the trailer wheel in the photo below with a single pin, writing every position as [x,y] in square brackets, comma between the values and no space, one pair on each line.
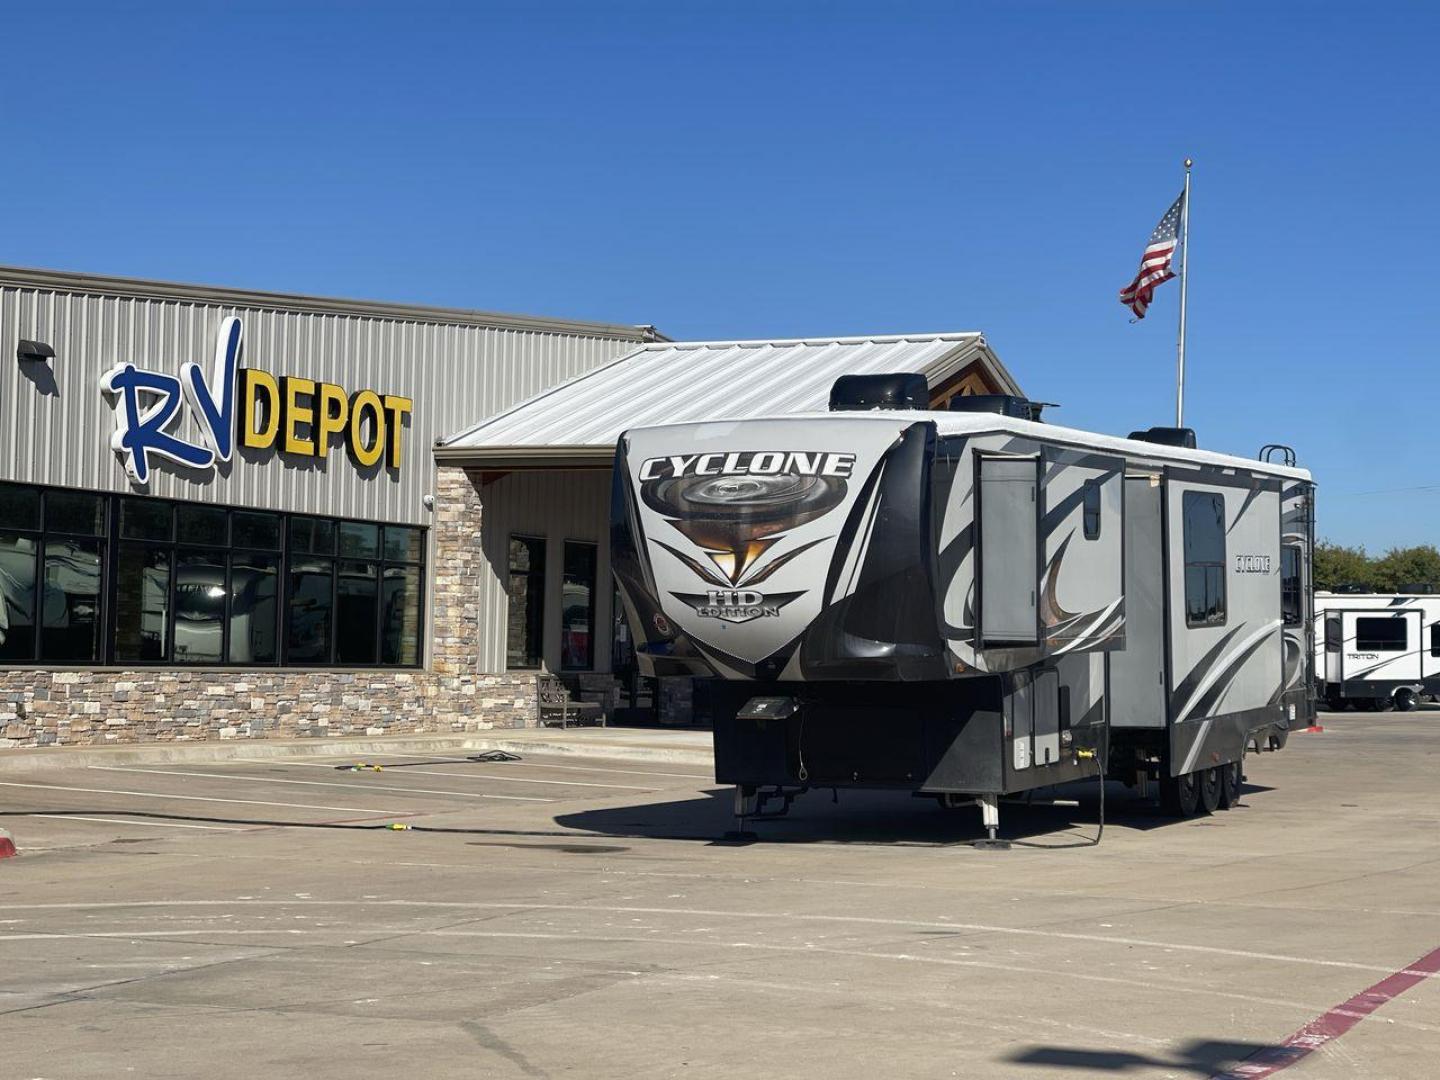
[1209,783]
[1230,777]
[1405,699]
[1180,795]
[1384,704]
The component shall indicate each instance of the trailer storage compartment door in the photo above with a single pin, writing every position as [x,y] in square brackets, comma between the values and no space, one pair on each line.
[1137,673]
[1009,555]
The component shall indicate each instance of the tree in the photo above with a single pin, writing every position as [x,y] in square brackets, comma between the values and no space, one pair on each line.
[1406,569]
[1337,565]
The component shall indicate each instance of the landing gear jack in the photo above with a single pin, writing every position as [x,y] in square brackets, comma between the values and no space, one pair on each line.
[990,818]
[751,802]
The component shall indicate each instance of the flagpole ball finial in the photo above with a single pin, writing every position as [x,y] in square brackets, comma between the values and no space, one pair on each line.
[1189,162]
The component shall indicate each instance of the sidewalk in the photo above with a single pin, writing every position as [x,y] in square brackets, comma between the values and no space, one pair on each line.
[681,747]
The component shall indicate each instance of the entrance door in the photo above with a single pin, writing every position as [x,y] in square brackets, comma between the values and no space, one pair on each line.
[1137,672]
[1381,645]
[1009,552]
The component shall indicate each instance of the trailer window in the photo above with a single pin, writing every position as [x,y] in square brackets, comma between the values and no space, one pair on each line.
[1292,607]
[1435,639]
[1381,635]
[1092,509]
[1204,529]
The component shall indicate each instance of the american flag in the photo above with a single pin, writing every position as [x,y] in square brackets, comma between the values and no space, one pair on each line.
[1155,263]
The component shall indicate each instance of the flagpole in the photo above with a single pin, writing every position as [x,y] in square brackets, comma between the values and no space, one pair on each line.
[1184,282]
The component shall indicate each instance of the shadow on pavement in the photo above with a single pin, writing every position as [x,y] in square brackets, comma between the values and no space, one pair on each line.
[1199,1058]
[820,816]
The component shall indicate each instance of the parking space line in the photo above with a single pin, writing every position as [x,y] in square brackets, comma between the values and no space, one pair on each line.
[202,798]
[547,765]
[128,821]
[463,776]
[759,916]
[319,783]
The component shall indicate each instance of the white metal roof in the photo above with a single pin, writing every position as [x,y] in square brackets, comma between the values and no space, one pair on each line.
[678,382]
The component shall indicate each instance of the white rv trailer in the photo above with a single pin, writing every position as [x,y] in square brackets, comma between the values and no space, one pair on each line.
[1377,650]
[967,604]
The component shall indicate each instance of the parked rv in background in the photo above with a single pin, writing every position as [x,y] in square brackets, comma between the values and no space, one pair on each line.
[1377,650]
[969,603]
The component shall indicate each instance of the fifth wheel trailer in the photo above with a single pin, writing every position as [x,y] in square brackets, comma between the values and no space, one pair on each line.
[966,604]
[1376,650]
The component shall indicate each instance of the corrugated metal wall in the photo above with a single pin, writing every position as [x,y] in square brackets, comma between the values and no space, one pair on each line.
[558,506]
[55,423]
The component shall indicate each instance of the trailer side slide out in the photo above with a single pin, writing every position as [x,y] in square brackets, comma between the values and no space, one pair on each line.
[967,604]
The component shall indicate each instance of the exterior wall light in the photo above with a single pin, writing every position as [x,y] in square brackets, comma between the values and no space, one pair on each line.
[34,351]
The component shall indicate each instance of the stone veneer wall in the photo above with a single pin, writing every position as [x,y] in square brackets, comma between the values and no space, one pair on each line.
[42,707]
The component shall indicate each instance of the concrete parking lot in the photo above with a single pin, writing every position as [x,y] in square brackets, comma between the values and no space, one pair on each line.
[587,916]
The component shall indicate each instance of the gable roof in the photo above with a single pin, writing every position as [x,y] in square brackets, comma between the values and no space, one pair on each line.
[578,422]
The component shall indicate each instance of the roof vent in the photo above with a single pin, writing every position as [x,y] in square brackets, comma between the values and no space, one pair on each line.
[898,390]
[1004,404]
[1167,436]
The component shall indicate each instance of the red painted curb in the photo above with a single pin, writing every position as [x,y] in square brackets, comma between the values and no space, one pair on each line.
[7,846]
[1313,727]
[1333,1024]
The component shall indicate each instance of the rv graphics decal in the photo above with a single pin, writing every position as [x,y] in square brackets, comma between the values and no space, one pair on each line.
[736,506]
[736,605]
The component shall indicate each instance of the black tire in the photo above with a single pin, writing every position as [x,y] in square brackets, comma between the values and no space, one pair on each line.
[1406,700]
[1209,784]
[1230,778]
[1180,795]
[1384,704]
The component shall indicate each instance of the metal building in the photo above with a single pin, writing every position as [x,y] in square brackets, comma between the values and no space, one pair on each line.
[232,514]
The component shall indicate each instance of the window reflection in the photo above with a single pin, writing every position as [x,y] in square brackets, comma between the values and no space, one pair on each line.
[311,607]
[400,616]
[356,612]
[253,588]
[202,584]
[70,608]
[199,607]
[19,556]
[577,607]
[142,598]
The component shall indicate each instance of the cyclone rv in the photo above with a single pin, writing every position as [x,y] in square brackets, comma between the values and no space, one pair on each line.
[967,603]
[1376,650]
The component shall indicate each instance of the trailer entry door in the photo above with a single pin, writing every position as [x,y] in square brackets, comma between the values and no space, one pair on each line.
[1009,551]
[1137,672]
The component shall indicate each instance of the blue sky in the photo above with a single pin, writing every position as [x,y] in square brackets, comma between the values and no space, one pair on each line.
[756,170]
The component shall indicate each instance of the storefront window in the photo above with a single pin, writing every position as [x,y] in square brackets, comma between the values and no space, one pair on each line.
[142,603]
[356,610]
[200,596]
[70,605]
[400,615]
[253,631]
[249,530]
[525,625]
[312,603]
[202,525]
[197,584]
[577,607]
[19,556]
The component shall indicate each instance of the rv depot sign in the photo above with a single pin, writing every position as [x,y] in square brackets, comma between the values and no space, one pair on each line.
[287,413]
